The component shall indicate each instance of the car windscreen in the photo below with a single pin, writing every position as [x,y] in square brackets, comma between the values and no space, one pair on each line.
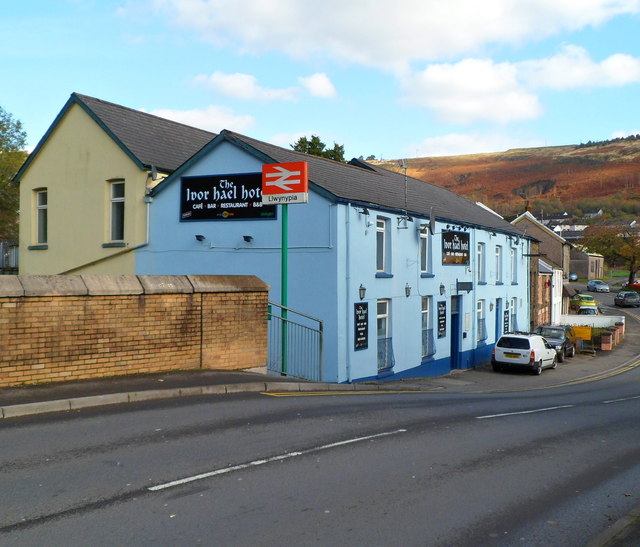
[550,333]
[511,342]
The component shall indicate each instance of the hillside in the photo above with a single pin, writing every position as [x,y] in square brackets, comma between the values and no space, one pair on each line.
[564,176]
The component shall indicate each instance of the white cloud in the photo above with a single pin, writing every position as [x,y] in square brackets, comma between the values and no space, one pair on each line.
[573,67]
[212,118]
[243,86]
[472,90]
[622,133]
[319,85]
[456,144]
[377,33]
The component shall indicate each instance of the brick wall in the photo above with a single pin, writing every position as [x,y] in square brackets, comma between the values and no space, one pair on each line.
[55,328]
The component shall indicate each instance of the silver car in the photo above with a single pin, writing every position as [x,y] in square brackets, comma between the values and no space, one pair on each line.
[597,285]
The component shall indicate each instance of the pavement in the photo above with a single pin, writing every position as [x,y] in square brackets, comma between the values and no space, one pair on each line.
[586,366]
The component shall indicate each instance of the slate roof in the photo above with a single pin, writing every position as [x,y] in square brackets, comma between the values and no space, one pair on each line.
[149,140]
[366,185]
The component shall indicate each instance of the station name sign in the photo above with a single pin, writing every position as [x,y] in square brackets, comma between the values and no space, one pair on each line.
[224,197]
[285,183]
[455,248]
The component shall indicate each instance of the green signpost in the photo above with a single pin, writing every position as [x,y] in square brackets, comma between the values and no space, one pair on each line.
[285,183]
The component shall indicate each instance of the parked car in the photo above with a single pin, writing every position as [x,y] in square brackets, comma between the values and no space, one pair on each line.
[573,276]
[527,351]
[580,299]
[597,285]
[561,337]
[635,286]
[628,299]
[588,310]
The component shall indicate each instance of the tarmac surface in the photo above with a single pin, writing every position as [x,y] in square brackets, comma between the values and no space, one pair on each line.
[586,366]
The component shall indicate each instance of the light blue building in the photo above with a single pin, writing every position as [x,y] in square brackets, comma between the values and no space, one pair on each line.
[409,278]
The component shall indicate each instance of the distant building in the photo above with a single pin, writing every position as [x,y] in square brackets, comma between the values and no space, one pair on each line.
[553,247]
[586,264]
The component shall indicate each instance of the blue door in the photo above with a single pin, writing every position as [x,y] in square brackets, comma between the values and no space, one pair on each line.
[455,332]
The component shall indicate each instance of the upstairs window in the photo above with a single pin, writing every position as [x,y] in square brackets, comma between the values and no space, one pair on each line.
[41,203]
[383,251]
[498,264]
[482,277]
[424,249]
[514,265]
[116,218]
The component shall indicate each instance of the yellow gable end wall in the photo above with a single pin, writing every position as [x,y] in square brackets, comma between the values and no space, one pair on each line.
[74,165]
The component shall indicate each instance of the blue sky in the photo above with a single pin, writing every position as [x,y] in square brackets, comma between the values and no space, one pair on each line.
[391,79]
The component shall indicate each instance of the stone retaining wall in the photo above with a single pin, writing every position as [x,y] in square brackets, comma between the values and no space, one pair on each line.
[71,327]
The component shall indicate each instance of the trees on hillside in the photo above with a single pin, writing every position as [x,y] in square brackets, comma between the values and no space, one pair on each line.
[12,142]
[316,147]
[618,245]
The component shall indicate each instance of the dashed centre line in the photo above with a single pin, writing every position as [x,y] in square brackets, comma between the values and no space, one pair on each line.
[264,461]
[522,412]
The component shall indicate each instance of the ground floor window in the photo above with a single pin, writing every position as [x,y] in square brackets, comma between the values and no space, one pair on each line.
[428,342]
[482,322]
[385,348]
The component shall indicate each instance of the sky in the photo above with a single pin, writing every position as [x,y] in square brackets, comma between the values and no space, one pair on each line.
[403,79]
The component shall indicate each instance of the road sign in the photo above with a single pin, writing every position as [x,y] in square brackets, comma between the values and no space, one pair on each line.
[285,183]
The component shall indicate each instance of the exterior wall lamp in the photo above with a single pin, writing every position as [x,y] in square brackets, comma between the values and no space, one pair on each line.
[407,290]
[362,291]
[441,288]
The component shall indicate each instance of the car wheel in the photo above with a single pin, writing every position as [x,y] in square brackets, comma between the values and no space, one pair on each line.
[561,357]
[572,352]
[538,368]
[554,365]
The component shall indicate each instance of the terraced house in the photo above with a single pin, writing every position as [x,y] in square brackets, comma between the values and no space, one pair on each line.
[407,278]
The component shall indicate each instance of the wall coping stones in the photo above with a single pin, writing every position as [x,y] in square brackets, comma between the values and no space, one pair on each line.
[13,286]
[165,284]
[53,285]
[102,285]
[10,286]
[227,283]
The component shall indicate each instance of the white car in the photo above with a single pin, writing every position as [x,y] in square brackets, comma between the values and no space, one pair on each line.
[597,285]
[528,351]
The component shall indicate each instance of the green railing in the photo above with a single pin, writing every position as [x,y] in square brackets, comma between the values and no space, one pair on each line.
[295,343]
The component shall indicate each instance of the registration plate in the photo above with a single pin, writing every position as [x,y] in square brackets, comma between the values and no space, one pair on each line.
[512,355]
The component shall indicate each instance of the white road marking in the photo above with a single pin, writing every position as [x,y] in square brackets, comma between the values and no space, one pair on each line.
[255,463]
[523,412]
[620,400]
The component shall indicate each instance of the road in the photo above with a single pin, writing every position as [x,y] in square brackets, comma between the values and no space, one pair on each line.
[545,467]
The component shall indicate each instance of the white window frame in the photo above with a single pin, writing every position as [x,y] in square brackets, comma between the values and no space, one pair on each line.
[424,250]
[116,211]
[498,263]
[429,348]
[383,316]
[482,266]
[514,265]
[383,250]
[42,216]
[481,320]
